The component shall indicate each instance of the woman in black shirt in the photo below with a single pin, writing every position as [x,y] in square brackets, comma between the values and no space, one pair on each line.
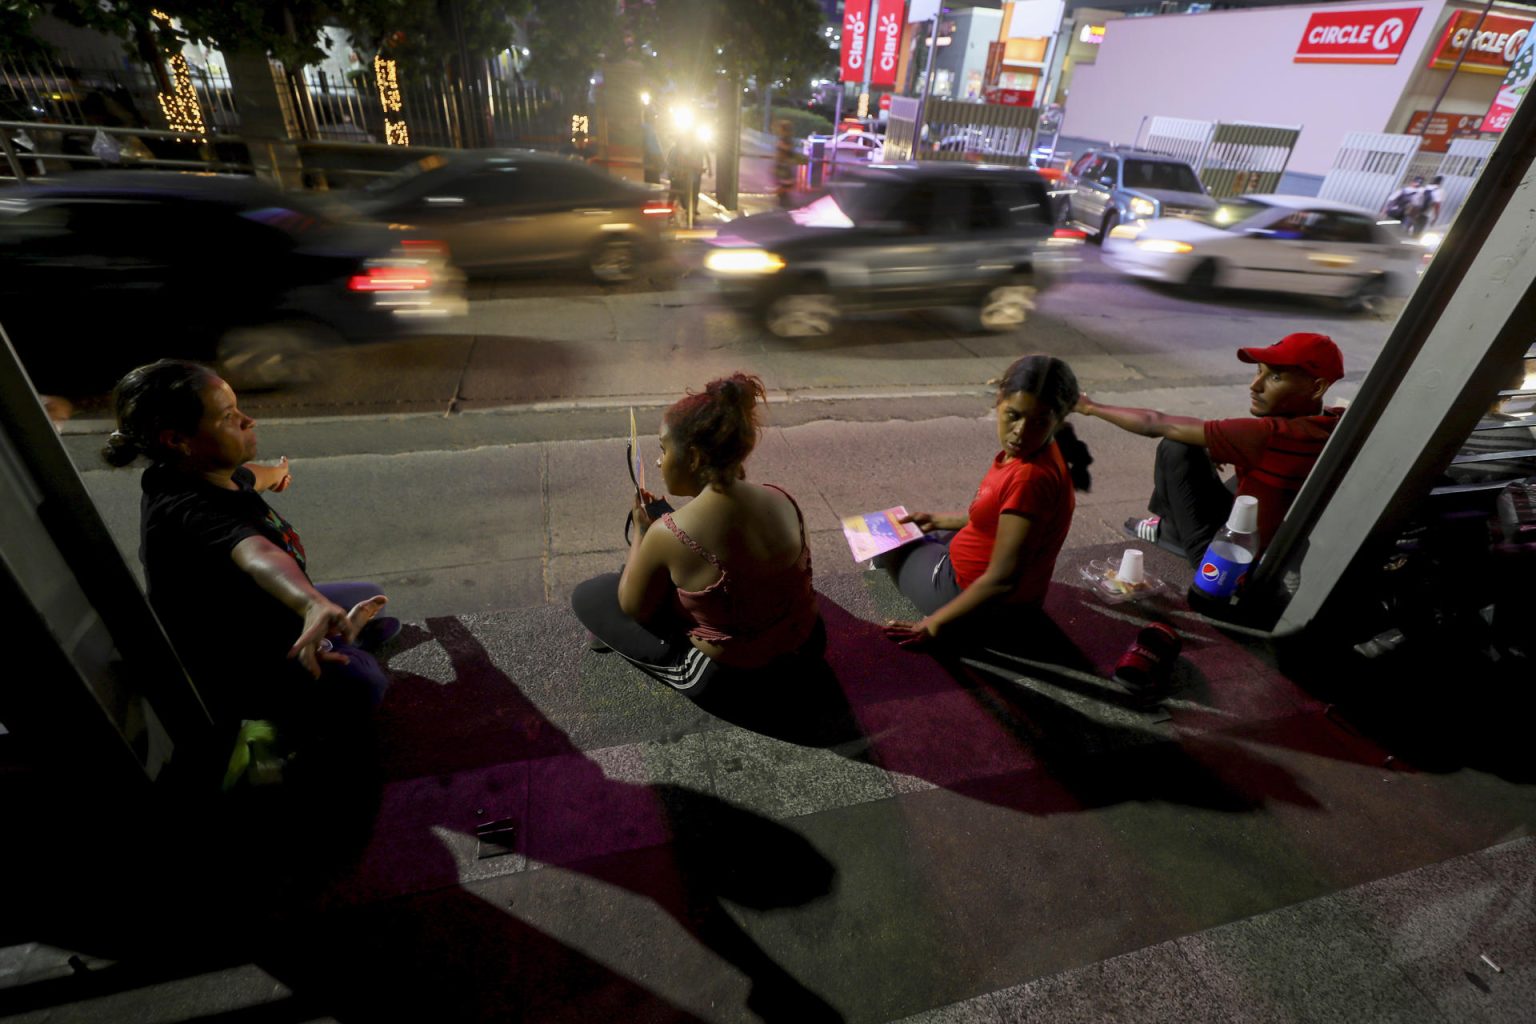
[226,574]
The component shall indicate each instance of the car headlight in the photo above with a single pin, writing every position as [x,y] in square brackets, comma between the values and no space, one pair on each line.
[1143,207]
[743,261]
[1126,230]
[1164,245]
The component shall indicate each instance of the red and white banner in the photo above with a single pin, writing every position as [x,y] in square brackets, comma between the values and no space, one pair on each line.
[855,40]
[1490,49]
[888,25]
[1356,37]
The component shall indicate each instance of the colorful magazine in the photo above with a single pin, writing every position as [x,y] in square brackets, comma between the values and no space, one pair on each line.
[875,533]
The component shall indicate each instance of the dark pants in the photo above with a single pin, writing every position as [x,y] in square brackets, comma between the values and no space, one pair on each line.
[1190,496]
[362,673]
[926,577]
[662,650]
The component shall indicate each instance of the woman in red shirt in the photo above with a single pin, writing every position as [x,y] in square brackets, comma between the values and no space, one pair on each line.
[979,570]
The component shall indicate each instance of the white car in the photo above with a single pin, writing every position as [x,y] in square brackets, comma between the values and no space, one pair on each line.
[1276,243]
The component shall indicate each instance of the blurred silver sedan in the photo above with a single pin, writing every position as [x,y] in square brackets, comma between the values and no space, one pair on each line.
[1276,243]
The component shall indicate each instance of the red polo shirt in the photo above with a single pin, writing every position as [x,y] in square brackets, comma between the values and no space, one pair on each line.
[1272,456]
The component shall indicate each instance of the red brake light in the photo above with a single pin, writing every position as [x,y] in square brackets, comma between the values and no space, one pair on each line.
[390,279]
[657,208]
[1069,233]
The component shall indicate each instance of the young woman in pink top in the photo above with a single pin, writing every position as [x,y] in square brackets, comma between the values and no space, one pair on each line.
[981,574]
[723,582]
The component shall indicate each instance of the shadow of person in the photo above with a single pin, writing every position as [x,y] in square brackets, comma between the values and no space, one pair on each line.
[798,700]
[684,850]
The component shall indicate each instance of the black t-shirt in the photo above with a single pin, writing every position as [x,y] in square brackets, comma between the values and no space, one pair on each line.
[233,636]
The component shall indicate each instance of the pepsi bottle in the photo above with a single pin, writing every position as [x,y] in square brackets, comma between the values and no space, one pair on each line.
[1231,553]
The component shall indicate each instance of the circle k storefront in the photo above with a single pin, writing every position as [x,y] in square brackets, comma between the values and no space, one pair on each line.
[1434,68]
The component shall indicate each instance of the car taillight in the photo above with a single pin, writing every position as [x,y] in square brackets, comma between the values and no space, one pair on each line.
[1069,233]
[390,279]
[657,208]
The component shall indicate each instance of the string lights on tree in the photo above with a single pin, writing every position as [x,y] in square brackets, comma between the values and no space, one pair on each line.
[183,113]
[385,72]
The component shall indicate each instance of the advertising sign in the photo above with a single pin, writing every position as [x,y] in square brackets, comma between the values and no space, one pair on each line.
[1517,82]
[855,40]
[887,55]
[1491,47]
[1442,128]
[1356,37]
[1011,97]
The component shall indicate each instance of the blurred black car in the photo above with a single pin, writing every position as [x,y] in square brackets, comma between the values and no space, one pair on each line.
[896,237]
[502,210]
[102,272]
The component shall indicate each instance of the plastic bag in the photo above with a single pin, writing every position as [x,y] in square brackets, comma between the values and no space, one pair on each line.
[105,148]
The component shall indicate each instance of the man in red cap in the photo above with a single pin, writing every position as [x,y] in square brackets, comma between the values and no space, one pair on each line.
[1272,450]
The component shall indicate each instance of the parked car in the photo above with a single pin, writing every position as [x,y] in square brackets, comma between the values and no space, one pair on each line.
[1294,244]
[895,237]
[1117,186]
[104,271]
[853,147]
[502,210]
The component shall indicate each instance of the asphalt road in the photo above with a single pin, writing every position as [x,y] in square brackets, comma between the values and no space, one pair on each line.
[561,342]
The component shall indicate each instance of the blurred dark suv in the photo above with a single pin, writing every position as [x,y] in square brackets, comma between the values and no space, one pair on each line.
[1115,186]
[502,210]
[104,271]
[896,237]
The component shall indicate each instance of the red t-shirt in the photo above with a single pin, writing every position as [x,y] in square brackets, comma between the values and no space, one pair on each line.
[1272,456]
[1038,488]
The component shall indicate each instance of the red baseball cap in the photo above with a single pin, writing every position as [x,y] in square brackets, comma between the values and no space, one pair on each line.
[1313,353]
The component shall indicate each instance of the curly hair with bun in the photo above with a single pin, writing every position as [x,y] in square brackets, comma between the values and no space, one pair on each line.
[720,423]
[166,395]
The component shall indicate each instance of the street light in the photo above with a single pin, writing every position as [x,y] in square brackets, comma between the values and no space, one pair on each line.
[645,98]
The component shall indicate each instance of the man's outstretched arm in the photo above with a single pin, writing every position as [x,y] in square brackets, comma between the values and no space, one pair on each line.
[1146,422]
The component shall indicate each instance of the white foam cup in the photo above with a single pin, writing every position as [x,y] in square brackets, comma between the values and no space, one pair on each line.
[1245,515]
[1131,570]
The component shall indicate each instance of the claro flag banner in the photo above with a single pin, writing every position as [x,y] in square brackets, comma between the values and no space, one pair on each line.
[855,39]
[888,25]
[1517,82]
[1355,36]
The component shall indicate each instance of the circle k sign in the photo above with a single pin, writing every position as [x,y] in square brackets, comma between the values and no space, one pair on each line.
[1355,36]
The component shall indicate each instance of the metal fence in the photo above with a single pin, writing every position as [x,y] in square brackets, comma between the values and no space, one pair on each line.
[961,131]
[1231,157]
[514,112]
[1244,157]
[1368,167]
[1461,165]
[1176,136]
[323,108]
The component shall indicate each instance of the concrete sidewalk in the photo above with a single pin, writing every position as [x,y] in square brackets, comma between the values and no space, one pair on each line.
[1002,838]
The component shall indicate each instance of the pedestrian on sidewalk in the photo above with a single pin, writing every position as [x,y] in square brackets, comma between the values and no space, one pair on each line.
[1272,450]
[725,584]
[227,574]
[785,162]
[981,575]
[686,166]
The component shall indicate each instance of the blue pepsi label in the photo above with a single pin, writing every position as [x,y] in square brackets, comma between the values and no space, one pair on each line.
[1220,577]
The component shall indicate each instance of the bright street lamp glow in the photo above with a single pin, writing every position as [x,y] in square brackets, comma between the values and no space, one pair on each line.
[645,98]
[682,118]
